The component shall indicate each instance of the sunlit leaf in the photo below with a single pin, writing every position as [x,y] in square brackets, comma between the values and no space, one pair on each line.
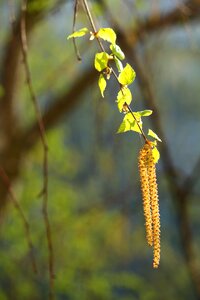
[124,96]
[118,64]
[107,34]
[127,75]
[154,135]
[79,33]
[134,125]
[101,61]
[102,84]
[129,123]
[145,113]
[122,128]
[156,154]
[116,50]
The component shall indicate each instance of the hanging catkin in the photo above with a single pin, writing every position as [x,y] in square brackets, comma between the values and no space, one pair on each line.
[150,200]
[145,193]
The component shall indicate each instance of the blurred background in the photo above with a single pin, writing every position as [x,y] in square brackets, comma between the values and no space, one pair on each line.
[95,205]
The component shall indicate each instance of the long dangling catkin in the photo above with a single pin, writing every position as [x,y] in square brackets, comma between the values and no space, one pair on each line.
[142,163]
[153,190]
[149,189]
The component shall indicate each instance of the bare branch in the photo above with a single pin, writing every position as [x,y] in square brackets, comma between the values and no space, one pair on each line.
[40,123]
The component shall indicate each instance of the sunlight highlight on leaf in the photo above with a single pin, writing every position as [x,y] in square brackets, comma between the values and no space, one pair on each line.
[116,50]
[124,96]
[107,34]
[102,84]
[127,75]
[118,64]
[101,61]
[156,154]
[129,123]
[154,135]
[79,33]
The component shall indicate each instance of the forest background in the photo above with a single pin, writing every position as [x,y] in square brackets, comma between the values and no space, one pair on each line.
[94,203]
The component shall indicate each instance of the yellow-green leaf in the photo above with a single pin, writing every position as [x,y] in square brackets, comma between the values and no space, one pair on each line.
[116,50]
[127,75]
[118,64]
[102,84]
[156,154]
[145,113]
[124,95]
[134,125]
[129,123]
[154,135]
[79,33]
[101,61]
[107,34]
[122,127]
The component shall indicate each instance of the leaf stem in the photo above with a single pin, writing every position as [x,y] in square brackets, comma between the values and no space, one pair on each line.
[140,128]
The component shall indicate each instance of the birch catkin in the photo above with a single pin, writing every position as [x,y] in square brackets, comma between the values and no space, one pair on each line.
[150,200]
[145,193]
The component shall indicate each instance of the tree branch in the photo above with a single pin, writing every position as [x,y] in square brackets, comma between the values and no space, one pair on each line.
[61,106]
[183,13]
[40,124]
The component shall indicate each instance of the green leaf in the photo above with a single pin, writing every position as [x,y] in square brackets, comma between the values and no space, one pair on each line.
[129,123]
[156,154]
[145,113]
[118,64]
[102,84]
[107,34]
[154,135]
[122,128]
[124,95]
[116,50]
[79,33]
[101,61]
[127,75]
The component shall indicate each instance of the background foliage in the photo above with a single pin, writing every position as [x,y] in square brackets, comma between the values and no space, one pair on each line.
[94,191]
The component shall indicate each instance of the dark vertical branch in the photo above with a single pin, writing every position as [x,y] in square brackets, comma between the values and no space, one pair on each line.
[7,184]
[44,144]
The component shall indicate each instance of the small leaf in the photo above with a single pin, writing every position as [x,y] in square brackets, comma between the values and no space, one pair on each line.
[118,64]
[107,34]
[134,126]
[101,61]
[124,95]
[145,113]
[102,84]
[129,123]
[78,33]
[122,127]
[127,75]
[156,154]
[154,135]
[116,50]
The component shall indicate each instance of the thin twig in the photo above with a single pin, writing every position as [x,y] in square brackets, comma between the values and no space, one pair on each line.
[112,71]
[7,183]
[44,144]
[73,30]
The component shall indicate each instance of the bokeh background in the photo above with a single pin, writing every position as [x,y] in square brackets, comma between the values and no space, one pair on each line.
[95,205]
